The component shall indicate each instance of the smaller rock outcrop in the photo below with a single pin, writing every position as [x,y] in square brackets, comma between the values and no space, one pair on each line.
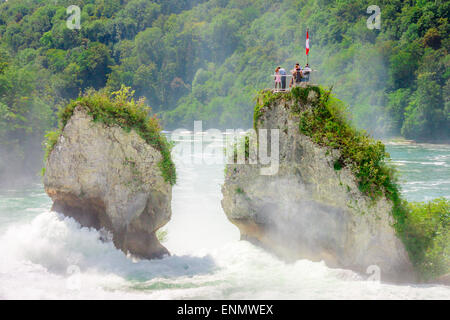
[106,177]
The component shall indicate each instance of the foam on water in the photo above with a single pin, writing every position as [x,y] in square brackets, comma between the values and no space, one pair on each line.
[48,256]
[39,257]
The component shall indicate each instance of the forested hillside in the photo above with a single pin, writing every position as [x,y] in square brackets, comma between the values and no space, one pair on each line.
[205,59]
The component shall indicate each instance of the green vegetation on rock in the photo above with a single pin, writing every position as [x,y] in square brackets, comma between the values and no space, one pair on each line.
[119,108]
[324,119]
[162,235]
[426,234]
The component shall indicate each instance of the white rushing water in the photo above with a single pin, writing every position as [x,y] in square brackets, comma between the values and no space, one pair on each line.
[47,256]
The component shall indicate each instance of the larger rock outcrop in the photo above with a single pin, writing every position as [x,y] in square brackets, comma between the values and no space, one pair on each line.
[105,177]
[309,209]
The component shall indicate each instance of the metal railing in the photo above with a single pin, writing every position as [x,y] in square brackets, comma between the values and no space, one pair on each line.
[288,85]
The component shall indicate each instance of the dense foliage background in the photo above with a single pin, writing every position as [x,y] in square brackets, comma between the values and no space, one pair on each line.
[206,59]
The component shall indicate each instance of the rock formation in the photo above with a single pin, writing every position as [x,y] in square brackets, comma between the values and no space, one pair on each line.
[105,177]
[445,279]
[309,209]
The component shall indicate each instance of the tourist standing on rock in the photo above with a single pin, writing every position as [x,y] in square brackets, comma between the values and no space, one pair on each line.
[292,72]
[277,78]
[306,73]
[282,72]
[296,75]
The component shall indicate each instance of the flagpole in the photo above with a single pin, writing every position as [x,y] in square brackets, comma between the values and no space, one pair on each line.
[307,54]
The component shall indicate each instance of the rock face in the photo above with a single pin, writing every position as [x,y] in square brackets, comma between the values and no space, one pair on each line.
[309,209]
[105,177]
[445,279]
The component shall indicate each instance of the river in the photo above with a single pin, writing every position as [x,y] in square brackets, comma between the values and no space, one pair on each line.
[47,256]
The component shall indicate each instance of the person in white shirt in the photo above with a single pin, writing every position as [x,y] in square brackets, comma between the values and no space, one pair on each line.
[306,73]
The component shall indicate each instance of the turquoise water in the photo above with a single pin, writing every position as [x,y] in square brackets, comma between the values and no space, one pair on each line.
[47,256]
[22,205]
[424,170]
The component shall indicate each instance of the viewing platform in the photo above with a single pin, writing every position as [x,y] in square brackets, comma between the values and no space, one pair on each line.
[287,84]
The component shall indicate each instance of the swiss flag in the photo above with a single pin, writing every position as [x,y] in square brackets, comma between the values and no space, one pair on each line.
[307,42]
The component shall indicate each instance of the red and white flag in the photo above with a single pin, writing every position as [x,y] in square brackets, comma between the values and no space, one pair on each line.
[307,42]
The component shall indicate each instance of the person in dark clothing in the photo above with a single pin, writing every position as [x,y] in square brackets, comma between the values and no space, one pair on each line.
[306,73]
[282,72]
[296,75]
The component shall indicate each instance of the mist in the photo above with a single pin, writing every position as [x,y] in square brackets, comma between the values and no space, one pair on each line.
[289,217]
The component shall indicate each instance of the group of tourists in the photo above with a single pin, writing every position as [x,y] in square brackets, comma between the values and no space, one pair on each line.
[298,74]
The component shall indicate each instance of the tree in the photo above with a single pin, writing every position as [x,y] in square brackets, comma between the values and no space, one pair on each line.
[95,65]
[425,118]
